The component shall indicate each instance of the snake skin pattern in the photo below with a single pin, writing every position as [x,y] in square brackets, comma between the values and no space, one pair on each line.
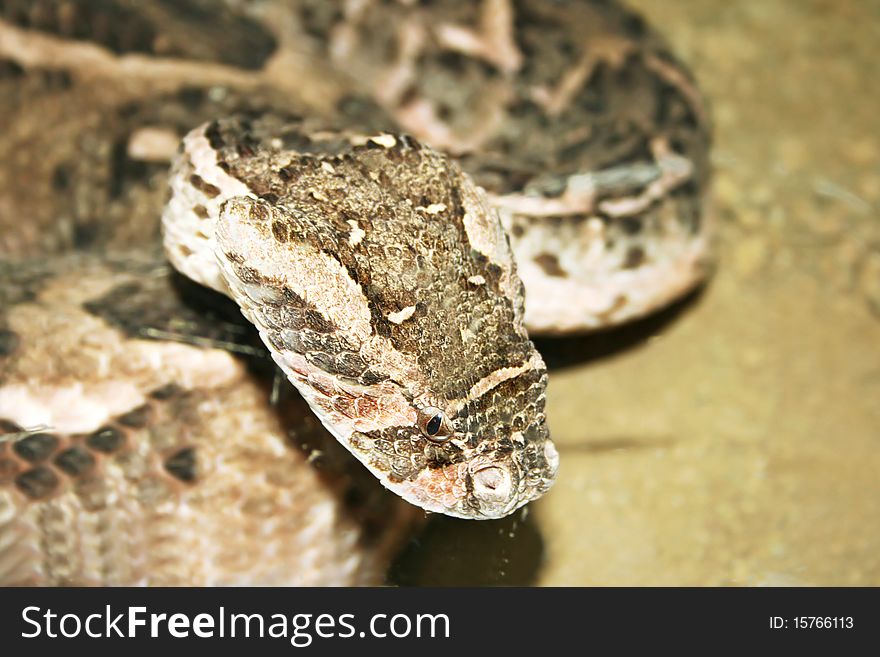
[400,192]
[383,284]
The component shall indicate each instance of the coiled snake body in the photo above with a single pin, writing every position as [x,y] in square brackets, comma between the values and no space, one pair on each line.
[393,194]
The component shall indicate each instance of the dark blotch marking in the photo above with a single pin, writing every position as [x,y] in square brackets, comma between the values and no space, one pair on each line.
[182,465]
[214,136]
[75,461]
[371,377]
[317,322]
[9,342]
[354,497]
[259,212]
[125,171]
[631,225]
[201,211]
[167,391]
[280,231]
[322,360]
[10,69]
[37,483]
[61,177]
[550,264]
[635,257]
[634,25]
[192,97]
[106,440]
[85,234]
[204,186]
[138,418]
[37,447]
[7,426]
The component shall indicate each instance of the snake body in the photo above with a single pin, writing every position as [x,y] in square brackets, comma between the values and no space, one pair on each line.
[400,196]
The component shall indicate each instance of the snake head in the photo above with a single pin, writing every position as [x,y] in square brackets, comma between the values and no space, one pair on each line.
[382,282]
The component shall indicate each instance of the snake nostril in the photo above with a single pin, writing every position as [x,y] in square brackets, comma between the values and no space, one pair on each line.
[492,484]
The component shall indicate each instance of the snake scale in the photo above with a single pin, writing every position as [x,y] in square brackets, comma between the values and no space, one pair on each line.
[395,193]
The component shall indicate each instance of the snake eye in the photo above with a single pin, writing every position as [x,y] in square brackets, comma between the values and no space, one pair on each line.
[433,423]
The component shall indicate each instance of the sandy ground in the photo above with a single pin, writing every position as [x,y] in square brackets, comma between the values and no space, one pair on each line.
[740,442]
[736,439]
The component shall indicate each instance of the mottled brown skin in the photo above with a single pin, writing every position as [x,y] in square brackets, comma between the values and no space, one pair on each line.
[163,28]
[531,95]
[406,257]
[171,489]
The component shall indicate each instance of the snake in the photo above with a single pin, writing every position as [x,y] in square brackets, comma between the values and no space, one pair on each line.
[397,195]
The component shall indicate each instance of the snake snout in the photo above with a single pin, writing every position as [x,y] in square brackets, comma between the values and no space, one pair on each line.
[501,484]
